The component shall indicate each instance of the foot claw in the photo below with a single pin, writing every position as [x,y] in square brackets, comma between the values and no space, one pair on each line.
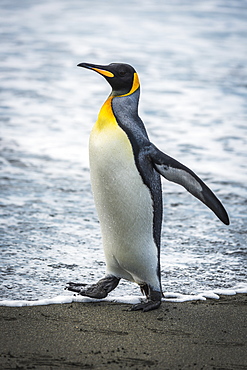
[75,287]
[91,291]
[98,290]
[76,284]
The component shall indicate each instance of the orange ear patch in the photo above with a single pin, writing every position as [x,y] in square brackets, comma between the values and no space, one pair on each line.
[135,85]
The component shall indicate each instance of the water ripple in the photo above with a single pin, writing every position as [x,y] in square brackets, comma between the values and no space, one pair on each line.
[191,59]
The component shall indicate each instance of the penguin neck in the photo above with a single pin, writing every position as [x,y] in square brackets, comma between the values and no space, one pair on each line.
[125,109]
[125,105]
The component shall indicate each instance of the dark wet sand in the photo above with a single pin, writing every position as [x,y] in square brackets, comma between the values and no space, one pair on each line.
[192,335]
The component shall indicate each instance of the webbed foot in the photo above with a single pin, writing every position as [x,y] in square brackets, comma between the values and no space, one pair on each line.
[153,299]
[98,290]
[146,306]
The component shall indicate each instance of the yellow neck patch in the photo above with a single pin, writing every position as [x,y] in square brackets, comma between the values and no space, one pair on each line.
[106,117]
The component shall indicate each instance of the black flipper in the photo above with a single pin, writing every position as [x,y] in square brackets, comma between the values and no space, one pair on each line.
[98,290]
[176,172]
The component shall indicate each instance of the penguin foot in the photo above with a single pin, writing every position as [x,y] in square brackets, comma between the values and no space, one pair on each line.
[146,306]
[153,299]
[98,290]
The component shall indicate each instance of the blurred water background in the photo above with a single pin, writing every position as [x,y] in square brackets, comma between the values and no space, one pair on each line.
[191,59]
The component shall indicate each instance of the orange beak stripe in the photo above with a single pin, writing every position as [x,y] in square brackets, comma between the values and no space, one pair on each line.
[104,73]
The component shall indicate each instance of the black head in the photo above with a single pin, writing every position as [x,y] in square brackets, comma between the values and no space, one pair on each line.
[122,77]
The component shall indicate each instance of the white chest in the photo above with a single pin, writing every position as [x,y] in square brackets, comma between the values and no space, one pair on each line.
[124,206]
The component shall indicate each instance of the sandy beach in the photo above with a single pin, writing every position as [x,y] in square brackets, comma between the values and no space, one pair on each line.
[207,334]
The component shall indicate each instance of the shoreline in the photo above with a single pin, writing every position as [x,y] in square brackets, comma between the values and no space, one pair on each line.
[127,299]
[207,334]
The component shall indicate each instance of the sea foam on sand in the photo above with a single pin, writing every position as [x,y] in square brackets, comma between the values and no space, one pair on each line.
[168,296]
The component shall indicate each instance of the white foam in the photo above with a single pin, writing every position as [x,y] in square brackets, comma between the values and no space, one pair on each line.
[176,297]
[210,294]
[128,299]
[225,292]
[241,289]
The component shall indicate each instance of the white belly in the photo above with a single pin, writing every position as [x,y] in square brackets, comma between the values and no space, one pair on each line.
[124,207]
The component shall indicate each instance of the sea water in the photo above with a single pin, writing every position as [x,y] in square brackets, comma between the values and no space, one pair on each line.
[191,60]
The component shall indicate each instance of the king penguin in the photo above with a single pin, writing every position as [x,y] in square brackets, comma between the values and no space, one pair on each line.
[125,169]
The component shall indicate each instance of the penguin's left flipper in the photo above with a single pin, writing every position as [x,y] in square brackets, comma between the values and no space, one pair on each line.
[99,290]
[176,172]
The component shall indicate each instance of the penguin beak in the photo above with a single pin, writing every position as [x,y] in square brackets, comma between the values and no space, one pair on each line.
[97,68]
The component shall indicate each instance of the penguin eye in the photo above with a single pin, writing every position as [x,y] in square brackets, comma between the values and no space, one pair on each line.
[122,73]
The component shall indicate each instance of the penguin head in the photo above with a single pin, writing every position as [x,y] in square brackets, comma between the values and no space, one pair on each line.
[122,77]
